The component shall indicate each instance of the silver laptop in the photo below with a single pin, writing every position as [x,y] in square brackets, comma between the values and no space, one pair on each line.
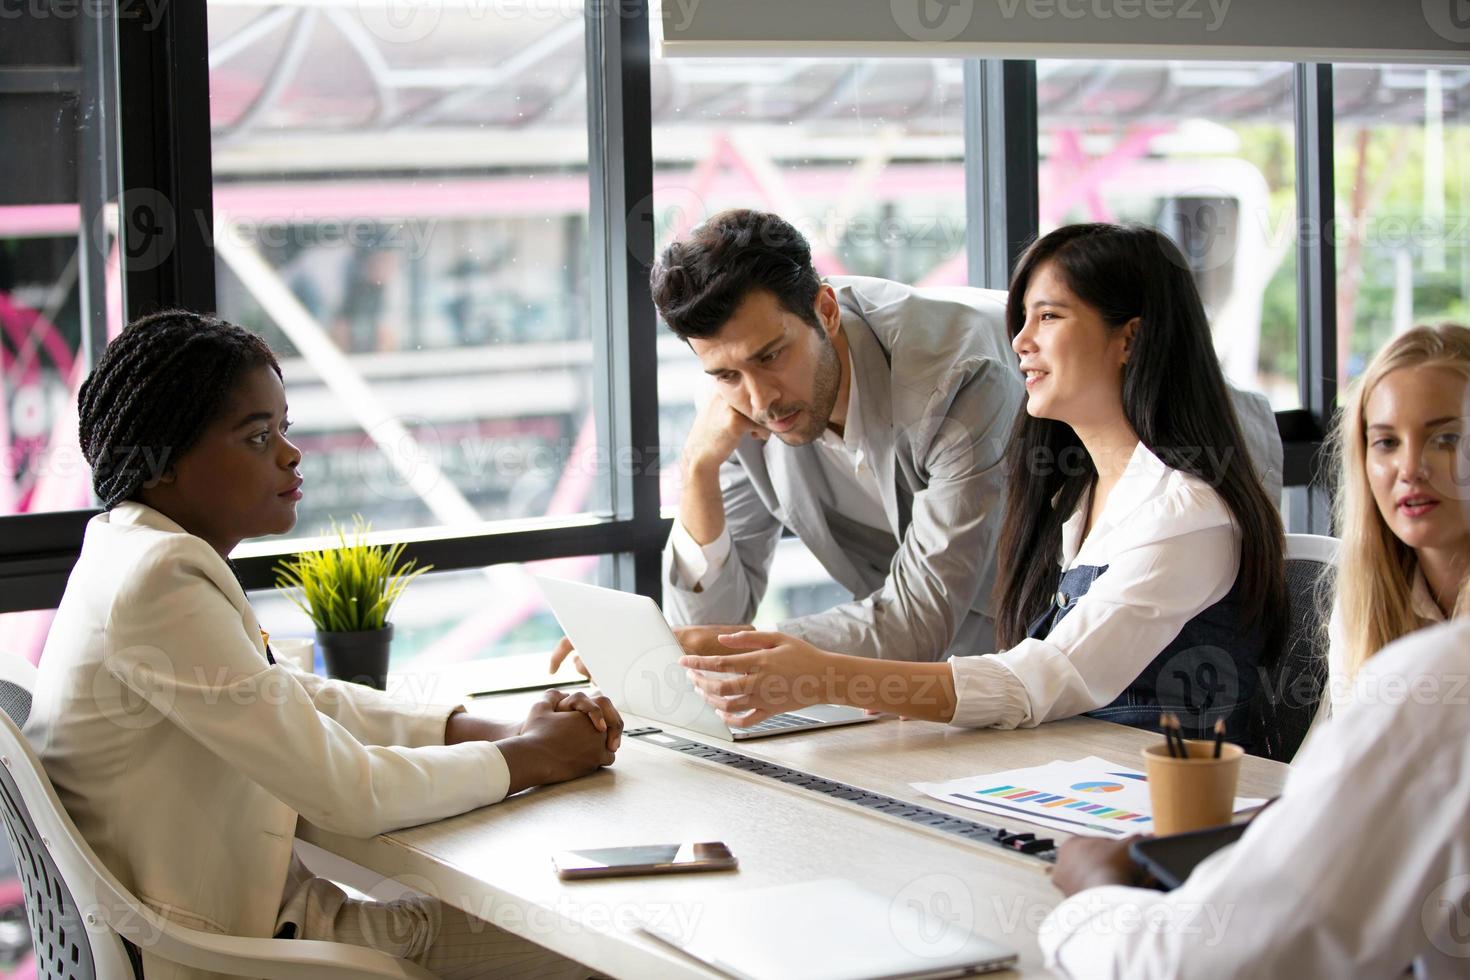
[633,656]
[831,929]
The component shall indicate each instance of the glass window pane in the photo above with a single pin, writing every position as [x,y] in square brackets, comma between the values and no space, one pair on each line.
[442,625]
[57,264]
[865,157]
[23,634]
[401,210]
[799,585]
[1402,156]
[1206,153]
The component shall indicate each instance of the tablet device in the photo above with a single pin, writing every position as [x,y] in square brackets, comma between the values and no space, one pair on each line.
[1171,859]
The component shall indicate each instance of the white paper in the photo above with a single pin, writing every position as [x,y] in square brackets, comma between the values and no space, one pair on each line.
[1090,797]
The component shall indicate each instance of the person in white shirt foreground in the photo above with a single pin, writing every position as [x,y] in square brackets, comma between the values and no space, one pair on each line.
[1140,558]
[1405,557]
[182,750]
[1360,867]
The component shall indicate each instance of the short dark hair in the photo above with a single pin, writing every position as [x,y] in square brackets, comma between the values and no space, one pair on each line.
[155,388]
[699,282]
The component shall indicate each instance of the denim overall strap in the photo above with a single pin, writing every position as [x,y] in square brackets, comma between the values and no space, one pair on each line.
[1206,673]
[1073,585]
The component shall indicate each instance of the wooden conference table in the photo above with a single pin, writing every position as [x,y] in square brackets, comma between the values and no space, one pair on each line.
[495,862]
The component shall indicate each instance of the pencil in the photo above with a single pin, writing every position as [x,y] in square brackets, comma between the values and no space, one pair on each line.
[1168,742]
[1178,730]
[1219,735]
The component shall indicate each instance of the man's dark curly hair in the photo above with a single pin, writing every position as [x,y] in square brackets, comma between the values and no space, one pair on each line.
[156,387]
[699,282]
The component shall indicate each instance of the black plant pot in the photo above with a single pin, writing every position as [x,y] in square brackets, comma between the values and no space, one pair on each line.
[360,657]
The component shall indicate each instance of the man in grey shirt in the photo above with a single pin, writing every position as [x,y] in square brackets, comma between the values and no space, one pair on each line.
[868,417]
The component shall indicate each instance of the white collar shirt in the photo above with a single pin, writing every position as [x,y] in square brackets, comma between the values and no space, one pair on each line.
[1171,551]
[1361,868]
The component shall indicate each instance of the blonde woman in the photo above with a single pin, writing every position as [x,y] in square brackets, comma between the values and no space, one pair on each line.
[1405,557]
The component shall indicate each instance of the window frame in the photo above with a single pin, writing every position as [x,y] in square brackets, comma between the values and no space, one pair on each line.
[160,77]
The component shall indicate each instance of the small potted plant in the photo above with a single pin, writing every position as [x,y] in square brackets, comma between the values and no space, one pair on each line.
[348,592]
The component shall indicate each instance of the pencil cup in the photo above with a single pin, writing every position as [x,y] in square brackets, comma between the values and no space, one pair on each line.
[1193,793]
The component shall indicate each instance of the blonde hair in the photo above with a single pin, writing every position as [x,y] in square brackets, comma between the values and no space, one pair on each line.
[1375,570]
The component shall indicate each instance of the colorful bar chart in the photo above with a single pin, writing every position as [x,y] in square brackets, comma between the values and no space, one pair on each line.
[1092,796]
[1051,801]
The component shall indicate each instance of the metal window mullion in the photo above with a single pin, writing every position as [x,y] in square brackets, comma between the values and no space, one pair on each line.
[1316,273]
[620,168]
[96,178]
[167,203]
[1001,162]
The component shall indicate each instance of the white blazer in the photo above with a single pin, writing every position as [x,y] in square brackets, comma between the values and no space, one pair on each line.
[184,757]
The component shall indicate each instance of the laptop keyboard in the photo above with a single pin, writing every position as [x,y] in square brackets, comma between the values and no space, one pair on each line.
[1042,848]
[778,723]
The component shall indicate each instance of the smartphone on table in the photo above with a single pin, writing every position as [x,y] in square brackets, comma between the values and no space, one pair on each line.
[647,859]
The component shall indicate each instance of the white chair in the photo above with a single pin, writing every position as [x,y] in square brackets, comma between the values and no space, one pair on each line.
[80,913]
[1291,689]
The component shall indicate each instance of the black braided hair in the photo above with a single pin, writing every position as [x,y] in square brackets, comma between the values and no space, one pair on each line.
[156,387]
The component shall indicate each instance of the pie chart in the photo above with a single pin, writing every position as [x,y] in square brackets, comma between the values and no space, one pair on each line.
[1097,787]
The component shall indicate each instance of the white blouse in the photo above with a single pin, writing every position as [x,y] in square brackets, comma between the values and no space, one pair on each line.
[1171,551]
[1360,868]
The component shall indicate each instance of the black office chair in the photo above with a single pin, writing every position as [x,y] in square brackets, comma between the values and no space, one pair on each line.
[1289,692]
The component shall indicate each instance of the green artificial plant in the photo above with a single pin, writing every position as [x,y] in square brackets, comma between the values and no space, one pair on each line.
[349,588]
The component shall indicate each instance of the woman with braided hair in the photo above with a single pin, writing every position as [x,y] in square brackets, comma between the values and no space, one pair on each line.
[182,750]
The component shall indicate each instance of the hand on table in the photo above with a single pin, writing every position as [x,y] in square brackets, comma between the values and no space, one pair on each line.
[779,673]
[564,736]
[1090,862]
